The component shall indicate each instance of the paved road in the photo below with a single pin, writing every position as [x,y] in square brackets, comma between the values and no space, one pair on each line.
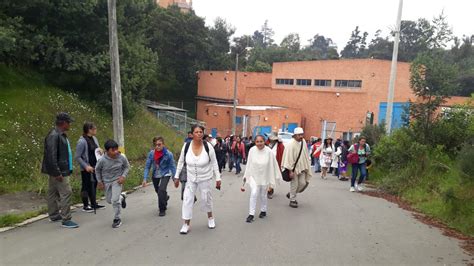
[331,227]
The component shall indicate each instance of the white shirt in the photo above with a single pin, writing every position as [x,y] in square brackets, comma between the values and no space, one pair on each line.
[262,167]
[199,168]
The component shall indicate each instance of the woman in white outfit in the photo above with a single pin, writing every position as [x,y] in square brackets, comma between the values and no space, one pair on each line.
[261,172]
[201,166]
[326,157]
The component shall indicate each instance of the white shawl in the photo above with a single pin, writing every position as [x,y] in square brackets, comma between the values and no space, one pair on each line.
[262,166]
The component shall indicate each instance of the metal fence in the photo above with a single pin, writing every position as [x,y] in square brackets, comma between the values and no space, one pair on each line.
[177,119]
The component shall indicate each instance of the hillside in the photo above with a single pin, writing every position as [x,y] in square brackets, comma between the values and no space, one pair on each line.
[27,110]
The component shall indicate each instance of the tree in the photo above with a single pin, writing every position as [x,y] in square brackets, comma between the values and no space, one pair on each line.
[219,42]
[380,47]
[432,81]
[320,47]
[291,42]
[356,47]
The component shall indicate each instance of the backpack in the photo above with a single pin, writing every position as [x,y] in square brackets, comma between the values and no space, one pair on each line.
[183,176]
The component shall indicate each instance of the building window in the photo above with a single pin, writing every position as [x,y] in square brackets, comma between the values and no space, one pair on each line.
[348,83]
[284,81]
[322,82]
[303,82]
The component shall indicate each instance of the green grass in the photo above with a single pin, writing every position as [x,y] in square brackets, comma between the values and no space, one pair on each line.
[438,193]
[27,110]
[12,219]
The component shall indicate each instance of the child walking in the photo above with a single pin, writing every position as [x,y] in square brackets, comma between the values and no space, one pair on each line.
[111,171]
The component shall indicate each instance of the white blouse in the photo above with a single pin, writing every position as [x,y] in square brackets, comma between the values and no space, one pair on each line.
[199,168]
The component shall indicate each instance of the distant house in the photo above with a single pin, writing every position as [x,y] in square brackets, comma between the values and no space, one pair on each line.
[184,5]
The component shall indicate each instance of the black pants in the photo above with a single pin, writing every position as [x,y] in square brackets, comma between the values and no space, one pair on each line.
[160,185]
[88,189]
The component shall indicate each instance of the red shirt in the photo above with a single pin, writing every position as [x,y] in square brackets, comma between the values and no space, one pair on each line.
[315,147]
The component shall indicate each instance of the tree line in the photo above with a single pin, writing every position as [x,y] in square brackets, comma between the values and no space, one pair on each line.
[162,49]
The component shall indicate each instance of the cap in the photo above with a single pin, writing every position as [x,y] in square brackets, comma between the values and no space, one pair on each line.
[64,117]
[298,130]
[273,136]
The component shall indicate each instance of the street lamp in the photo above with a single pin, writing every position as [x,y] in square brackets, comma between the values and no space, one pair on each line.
[234,109]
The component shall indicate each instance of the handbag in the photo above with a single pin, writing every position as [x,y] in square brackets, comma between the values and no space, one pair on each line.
[285,174]
[353,157]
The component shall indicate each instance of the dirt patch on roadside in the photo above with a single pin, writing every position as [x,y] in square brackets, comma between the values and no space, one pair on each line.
[21,202]
[467,242]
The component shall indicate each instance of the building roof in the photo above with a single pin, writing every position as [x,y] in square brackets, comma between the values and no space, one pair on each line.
[163,107]
[253,107]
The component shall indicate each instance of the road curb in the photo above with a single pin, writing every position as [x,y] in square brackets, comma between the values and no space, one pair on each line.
[43,216]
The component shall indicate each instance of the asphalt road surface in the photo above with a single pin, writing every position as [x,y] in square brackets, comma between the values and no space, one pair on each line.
[331,227]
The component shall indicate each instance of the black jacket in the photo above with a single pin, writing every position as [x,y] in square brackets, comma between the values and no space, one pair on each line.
[56,154]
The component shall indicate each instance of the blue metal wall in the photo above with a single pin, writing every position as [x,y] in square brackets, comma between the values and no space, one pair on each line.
[397,113]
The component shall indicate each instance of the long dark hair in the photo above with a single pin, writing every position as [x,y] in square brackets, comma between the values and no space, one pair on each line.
[326,144]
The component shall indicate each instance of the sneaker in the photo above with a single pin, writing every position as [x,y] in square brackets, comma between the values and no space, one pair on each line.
[87,209]
[55,218]
[249,219]
[123,196]
[352,189]
[162,213]
[262,215]
[117,223]
[294,204]
[99,207]
[69,224]
[211,223]
[360,187]
[184,229]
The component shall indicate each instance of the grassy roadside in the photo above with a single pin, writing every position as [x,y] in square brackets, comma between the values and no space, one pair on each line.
[439,192]
[27,109]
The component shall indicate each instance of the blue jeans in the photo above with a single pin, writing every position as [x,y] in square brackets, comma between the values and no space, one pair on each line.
[238,159]
[317,165]
[231,161]
[355,169]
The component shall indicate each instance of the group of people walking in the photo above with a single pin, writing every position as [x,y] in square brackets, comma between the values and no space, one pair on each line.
[200,162]
[328,157]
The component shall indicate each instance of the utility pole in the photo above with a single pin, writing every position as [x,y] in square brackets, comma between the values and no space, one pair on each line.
[393,72]
[234,110]
[115,76]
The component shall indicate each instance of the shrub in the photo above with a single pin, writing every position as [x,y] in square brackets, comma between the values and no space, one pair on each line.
[465,160]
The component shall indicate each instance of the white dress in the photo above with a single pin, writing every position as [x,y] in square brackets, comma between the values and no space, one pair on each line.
[325,159]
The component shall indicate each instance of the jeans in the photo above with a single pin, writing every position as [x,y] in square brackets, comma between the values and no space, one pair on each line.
[231,161]
[160,185]
[317,165]
[238,159]
[88,189]
[355,169]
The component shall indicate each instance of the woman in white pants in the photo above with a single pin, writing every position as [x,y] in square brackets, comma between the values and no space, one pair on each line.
[261,172]
[201,166]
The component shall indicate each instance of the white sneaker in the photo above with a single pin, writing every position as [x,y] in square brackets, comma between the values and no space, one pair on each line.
[352,189]
[360,187]
[211,223]
[184,229]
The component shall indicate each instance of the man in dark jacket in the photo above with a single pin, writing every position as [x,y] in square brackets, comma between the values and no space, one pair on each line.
[57,163]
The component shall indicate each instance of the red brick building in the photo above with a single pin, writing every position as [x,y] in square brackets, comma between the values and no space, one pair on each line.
[338,93]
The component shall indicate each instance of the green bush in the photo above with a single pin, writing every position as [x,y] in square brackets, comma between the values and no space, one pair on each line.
[466,162]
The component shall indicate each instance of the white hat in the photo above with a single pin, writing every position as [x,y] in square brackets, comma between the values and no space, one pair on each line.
[298,130]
